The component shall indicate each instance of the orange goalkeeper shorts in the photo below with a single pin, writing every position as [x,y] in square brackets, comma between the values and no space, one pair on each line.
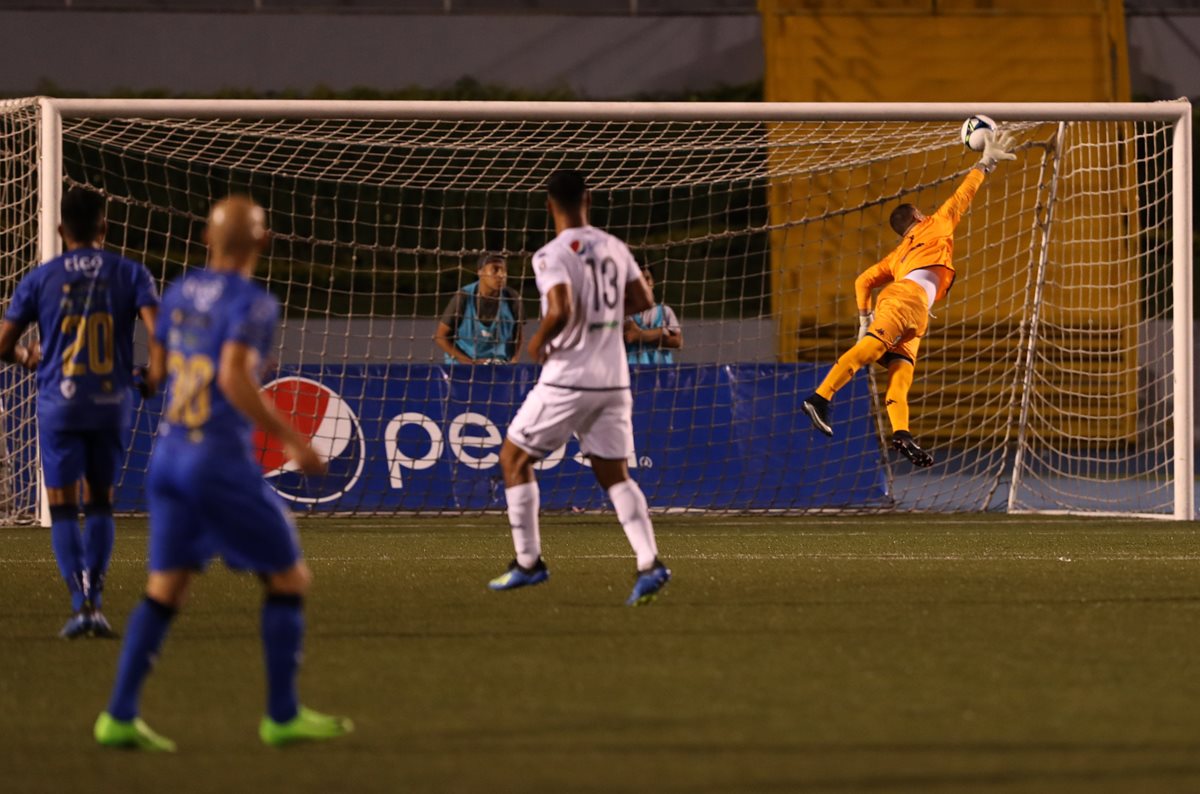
[901,319]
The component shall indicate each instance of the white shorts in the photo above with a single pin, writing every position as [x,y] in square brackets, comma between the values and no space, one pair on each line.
[603,421]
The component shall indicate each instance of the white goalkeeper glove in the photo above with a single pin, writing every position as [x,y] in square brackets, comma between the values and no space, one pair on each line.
[997,147]
[864,324]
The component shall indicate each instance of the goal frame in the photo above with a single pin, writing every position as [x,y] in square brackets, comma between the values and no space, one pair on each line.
[1177,113]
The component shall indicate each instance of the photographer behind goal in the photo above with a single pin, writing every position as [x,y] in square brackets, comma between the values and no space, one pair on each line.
[482,322]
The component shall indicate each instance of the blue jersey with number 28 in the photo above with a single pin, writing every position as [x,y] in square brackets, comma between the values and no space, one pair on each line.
[200,313]
[85,304]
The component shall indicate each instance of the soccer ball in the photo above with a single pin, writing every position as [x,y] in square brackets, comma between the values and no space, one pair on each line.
[973,132]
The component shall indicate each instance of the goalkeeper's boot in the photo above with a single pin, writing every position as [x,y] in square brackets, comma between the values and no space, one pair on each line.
[102,628]
[517,576]
[306,726]
[817,408]
[902,440]
[79,625]
[648,584]
[133,734]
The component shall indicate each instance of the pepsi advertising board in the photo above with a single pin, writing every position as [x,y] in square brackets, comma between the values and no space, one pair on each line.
[427,438]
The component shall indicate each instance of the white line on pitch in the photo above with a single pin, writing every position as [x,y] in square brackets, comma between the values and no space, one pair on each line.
[720,557]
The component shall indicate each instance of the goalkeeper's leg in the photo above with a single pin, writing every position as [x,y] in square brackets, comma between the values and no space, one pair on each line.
[900,378]
[867,351]
[900,318]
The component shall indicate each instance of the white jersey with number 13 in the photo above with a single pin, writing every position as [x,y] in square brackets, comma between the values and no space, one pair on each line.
[589,353]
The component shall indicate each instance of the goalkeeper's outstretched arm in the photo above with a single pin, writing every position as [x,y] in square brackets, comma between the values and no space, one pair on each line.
[997,148]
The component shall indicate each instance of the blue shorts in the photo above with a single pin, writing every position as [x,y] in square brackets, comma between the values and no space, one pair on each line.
[207,501]
[71,455]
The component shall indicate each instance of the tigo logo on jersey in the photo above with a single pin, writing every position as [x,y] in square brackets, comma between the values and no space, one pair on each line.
[319,414]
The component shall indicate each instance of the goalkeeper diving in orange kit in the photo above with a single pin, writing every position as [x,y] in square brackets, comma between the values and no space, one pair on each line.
[916,273]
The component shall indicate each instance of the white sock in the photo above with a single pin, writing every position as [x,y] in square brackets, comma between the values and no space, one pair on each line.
[634,515]
[523,502]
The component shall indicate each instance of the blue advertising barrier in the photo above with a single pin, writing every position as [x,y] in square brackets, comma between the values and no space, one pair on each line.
[427,438]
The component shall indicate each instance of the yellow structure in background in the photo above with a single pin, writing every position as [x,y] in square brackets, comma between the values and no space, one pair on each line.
[828,225]
[945,50]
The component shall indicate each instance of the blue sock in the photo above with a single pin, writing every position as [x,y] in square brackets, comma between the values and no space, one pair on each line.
[98,531]
[144,635]
[68,550]
[282,636]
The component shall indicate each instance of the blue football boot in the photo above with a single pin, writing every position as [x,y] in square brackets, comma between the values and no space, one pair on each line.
[80,625]
[101,627]
[516,576]
[648,584]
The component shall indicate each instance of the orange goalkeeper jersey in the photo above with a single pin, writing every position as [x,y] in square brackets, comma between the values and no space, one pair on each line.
[928,244]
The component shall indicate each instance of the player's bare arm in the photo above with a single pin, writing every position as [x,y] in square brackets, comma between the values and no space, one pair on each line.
[444,339]
[638,296]
[156,371]
[558,314]
[237,378]
[12,352]
[663,337]
[518,338]
[671,338]
[153,377]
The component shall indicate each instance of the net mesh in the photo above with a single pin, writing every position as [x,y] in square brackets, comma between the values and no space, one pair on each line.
[18,251]
[1043,383]
[1098,427]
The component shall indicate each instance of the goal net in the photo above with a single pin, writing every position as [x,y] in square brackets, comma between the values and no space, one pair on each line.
[19,252]
[1048,380]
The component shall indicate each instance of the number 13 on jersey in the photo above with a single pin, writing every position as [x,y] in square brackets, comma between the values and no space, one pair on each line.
[605,276]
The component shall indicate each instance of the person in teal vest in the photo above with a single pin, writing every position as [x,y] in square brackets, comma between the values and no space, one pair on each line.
[651,335]
[482,322]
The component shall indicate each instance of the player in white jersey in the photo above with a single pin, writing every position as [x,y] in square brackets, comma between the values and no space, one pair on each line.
[589,282]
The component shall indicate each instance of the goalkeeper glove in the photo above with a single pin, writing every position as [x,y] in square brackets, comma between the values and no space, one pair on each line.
[864,324]
[997,147]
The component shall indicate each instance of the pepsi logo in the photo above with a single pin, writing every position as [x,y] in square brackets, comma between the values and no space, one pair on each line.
[320,415]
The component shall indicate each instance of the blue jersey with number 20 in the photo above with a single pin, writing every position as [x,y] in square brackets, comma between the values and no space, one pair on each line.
[200,313]
[206,492]
[85,304]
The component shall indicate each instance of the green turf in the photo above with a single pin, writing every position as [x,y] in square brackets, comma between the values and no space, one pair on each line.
[789,654]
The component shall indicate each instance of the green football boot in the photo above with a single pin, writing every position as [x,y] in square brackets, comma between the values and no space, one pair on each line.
[306,726]
[134,734]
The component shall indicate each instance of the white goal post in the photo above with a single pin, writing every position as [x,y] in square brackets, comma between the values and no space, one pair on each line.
[1056,378]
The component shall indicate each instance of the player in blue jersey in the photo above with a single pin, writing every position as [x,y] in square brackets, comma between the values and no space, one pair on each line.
[85,304]
[206,492]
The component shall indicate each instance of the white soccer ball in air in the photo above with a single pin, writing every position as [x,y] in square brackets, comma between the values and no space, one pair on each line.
[973,130]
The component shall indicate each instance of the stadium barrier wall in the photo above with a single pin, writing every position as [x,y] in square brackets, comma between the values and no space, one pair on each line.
[426,437]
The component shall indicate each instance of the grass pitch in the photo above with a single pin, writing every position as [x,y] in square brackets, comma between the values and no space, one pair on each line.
[788,654]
